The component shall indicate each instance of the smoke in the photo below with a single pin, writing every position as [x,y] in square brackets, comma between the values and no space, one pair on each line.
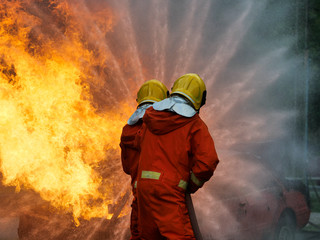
[242,50]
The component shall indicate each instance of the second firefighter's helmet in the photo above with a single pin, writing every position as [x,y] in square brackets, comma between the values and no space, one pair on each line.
[192,87]
[152,91]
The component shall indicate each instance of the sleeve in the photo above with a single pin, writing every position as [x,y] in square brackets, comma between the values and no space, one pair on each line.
[204,156]
[124,153]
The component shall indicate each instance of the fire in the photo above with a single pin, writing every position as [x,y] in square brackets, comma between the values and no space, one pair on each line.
[53,134]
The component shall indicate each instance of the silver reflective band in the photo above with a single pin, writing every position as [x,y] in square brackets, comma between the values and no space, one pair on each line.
[135,184]
[183,184]
[150,175]
[196,180]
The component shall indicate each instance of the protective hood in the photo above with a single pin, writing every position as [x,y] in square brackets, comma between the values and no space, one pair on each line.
[163,122]
[138,114]
[175,104]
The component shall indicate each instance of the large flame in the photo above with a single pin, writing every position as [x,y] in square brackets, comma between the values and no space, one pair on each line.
[52,136]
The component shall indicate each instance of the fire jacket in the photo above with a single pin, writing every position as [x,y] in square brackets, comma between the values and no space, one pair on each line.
[178,147]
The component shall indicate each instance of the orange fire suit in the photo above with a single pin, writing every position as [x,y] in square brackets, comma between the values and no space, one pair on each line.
[177,154]
[130,158]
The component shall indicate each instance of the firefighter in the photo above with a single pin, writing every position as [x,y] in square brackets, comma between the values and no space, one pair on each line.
[177,155]
[150,92]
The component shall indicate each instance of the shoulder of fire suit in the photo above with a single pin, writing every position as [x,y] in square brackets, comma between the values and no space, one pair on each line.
[129,133]
[163,122]
[133,125]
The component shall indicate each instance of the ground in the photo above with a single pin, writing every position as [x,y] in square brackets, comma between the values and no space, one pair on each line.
[8,229]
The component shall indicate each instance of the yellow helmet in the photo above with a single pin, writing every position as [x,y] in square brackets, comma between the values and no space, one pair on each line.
[152,91]
[192,87]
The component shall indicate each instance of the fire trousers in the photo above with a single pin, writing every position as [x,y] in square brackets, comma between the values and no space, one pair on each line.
[163,213]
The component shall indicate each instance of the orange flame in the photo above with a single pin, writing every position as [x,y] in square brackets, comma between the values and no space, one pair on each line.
[51,135]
